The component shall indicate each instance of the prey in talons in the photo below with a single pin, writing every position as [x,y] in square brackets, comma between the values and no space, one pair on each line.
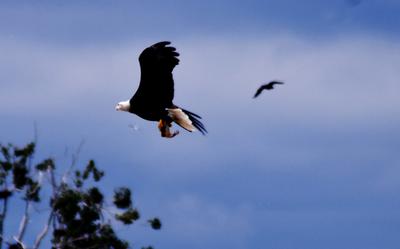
[164,127]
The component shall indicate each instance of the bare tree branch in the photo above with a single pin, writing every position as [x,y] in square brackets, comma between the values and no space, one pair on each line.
[25,218]
[50,219]
[35,133]
[41,236]
[24,221]
[2,218]
[75,158]
[19,242]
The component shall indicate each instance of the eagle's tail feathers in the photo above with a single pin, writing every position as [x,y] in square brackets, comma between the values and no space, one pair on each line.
[187,120]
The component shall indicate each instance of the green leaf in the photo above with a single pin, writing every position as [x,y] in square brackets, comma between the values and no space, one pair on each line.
[27,151]
[6,153]
[67,204]
[95,195]
[155,223]
[32,192]
[5,194]
[15,246]
[77,173]
[108,239]
[6,166]
[129,216]
[45,165]
[122,197]
[91,168]
[20,177]
[78,182]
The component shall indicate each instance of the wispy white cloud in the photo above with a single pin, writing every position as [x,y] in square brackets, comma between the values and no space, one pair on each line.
[340,85]
[326,130]
[61,78]
[344,79]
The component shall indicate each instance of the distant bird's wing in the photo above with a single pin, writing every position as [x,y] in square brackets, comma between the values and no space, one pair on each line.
[272,83]
[156,88]
[259,91]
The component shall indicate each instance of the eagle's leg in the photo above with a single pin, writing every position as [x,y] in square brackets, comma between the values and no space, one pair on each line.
[164,126]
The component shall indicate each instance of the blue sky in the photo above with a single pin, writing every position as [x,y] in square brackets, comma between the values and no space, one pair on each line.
[312,164]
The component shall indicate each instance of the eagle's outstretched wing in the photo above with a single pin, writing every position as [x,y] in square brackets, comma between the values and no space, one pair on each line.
[156,88]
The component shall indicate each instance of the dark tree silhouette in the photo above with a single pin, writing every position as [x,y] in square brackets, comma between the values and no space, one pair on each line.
[77,207]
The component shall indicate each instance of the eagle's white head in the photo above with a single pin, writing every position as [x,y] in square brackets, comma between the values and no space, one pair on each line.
[123,106]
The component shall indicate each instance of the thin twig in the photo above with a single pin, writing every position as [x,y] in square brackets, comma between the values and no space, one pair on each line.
[75,158]
[5,202]
[19,242]
[35,132]
[35,141]
[2,218]
[24,221]
[41,236]
[53,182]
[25,218]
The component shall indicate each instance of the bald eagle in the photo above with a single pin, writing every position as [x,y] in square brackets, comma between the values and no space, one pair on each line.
[153,99]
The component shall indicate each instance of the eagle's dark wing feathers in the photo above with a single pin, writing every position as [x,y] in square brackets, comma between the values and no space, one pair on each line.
[156,88]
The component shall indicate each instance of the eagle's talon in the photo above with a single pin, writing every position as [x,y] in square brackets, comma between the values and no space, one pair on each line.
[164,126]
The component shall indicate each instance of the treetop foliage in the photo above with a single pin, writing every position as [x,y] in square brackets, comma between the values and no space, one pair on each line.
[79,216]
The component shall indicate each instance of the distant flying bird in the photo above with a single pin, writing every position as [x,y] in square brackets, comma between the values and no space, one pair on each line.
[268,86]
[153,99]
